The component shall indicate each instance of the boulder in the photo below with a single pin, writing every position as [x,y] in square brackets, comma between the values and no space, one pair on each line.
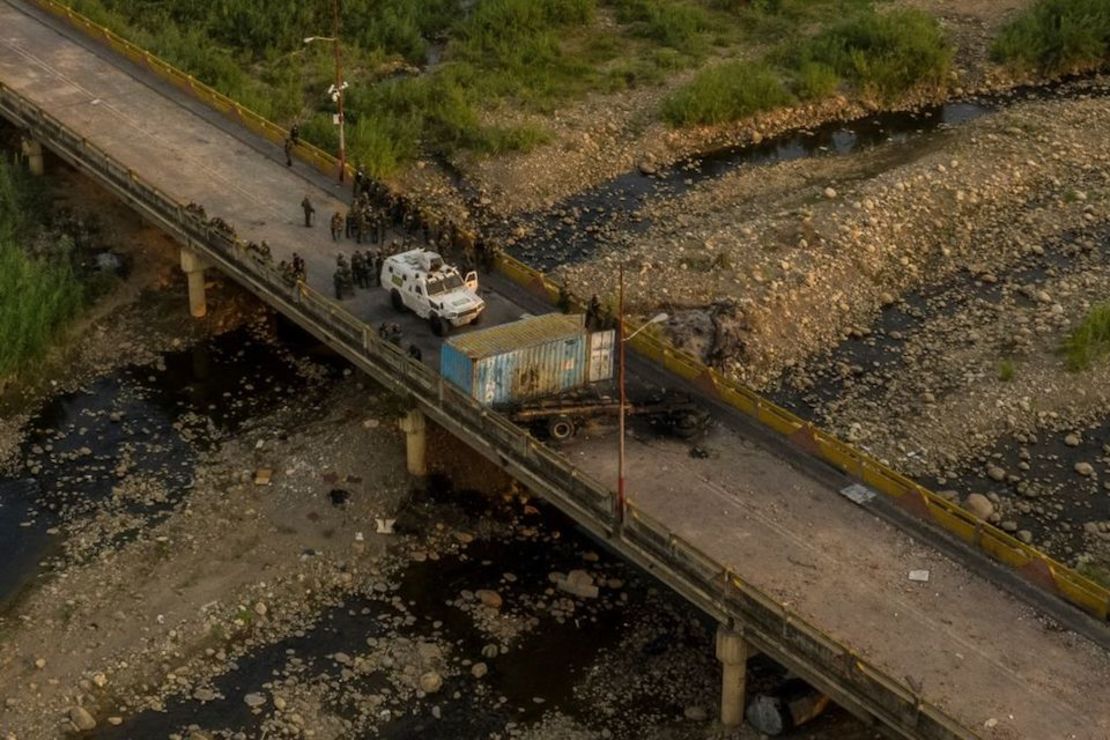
[489,598]
[979,505]
[431,682]
[81,719]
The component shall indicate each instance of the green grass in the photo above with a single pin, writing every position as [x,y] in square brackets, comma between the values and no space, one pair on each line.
[1090,341]
[1006,370]
[727,92]
[501,51]
[881,55]
[530,56]
[672,24]
[39,291]
[1057,36]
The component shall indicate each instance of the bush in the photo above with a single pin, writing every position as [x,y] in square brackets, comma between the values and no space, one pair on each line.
[672,24]
[883,54]
[726,92]
[37,295]
[1090,341]
[814,81]
[1057,36]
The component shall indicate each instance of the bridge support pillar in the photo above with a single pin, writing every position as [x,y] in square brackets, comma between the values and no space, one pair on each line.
[32,150]
[415,427]
[732,651]
[193,267]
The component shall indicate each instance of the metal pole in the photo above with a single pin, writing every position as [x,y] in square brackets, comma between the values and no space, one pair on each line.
[620,459]
[339,93]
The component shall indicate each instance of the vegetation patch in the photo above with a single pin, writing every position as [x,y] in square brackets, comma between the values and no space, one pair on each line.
[435,77]
[39,291]
[1090,341]
[881,55]
[727,92]
[1056,37]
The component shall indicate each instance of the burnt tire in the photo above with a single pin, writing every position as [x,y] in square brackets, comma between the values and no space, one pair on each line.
[687,425]
[395,299]
[439,326]
[560,428]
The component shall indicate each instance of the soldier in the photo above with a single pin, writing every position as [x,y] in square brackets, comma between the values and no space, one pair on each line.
[352,222]
[342,277]
[299,271]
[383,332]
[357,270]
[363,229]
[286,271]
[309,211]
[374,266]
[288,152]
[379,222]
[593,313]
[563,302]
[415,353]
[336,226]
[484,253]
[267,255]
[360,179]
[395,334]
[295,134]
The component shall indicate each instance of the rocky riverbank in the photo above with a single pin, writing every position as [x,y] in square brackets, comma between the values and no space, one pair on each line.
[283,578]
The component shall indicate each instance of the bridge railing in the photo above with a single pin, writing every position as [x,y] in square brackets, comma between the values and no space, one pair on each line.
[1034,565]
[718,583]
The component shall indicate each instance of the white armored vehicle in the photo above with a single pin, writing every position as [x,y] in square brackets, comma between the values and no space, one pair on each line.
[422,282]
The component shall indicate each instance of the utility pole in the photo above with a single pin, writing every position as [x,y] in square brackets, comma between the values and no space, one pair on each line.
[336,91]
[622,340]
[339,87]
[620,372]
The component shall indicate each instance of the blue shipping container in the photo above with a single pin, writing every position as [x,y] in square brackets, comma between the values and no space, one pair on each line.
[532,358]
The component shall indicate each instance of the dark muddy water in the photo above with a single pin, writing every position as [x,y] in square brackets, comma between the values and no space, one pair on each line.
[577,228]
[158,418]
[152,419]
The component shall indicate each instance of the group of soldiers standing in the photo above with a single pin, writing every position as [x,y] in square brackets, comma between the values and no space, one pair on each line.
[361,272]
[374,211]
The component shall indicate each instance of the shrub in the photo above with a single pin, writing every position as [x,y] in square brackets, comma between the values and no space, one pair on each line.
[883,54]
[1056,36]
[673,24]
[1006,370]
[37,295]
[814,81]
[726,92]
[1090,341]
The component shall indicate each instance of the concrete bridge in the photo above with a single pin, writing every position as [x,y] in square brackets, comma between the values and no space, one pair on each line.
[756,536]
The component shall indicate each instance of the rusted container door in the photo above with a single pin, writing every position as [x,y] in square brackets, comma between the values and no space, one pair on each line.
[602,345]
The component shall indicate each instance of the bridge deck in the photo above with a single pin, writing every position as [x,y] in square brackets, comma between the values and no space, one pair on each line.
[977,653]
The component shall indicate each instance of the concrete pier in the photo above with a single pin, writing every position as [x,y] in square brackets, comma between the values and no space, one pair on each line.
[415,427]
[32,150]
[193,267]
[732,651]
